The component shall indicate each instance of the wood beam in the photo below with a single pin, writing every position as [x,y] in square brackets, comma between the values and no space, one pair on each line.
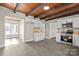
[36,8]
[51,5]
[74,13]
[9,6]
[52,10]
[60,10]
[65,14]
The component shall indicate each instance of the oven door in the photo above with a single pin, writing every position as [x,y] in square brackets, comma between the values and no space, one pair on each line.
[66,38]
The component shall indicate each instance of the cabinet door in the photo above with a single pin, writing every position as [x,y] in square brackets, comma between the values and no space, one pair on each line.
[64,21]
[76,40]
[60,22]
[37,37]
[69,20]
[76,23]
[58,37]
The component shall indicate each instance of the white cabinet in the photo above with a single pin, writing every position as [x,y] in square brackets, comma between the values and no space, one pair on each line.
[69,20]
[58,37]
[76,22]
[76,36]
[60,22]
[64,21]
[40,34]
[59,25]
[76,40]
[38,37]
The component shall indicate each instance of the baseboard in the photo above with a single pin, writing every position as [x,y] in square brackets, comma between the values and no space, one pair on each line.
[28,41]
[53,38]
[38,40]
[47,37]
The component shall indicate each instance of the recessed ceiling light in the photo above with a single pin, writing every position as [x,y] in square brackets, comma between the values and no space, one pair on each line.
[46,7]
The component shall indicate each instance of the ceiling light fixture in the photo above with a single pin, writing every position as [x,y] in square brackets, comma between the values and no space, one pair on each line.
[46,8]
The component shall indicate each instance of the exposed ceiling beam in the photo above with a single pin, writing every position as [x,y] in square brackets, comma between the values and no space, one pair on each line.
[61,10]
[70,14]
[9,6]
[64,14]
[52,10]
[55,5]
[36,8]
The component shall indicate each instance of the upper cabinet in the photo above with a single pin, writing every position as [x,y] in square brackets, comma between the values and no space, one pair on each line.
[69,20]
[60,22]
[76,22]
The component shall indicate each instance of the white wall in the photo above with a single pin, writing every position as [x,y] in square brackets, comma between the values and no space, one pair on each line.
[6,12]
[2,38]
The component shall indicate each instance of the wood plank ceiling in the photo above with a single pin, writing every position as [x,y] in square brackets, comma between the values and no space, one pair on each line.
[57,10]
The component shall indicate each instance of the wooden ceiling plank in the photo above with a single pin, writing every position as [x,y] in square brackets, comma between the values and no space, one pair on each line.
[36,8]
[27,7]
[9,6]
[54,5]
[70,14]
[64,13]
[61,10]
[52,10]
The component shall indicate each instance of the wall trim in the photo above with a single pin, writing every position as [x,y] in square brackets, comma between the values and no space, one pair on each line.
[28,40]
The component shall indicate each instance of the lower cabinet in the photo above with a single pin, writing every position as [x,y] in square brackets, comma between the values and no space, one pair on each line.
[58,38]
[38,37]
[76,40]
